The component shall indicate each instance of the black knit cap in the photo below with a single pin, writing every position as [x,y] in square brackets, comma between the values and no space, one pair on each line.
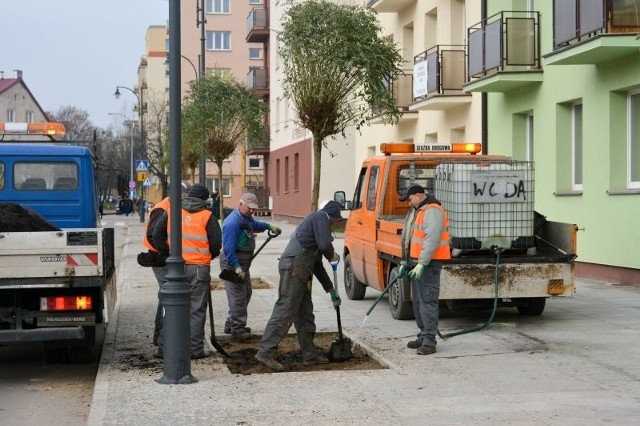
[413,189]
[198,190]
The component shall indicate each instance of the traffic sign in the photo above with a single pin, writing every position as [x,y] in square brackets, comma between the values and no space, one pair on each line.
[147,182]
[142,166]
[132,184]
[142,176]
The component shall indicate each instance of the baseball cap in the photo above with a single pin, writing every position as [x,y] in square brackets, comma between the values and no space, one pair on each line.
[413,189]
[250,200]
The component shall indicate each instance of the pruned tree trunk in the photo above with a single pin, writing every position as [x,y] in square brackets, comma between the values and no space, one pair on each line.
[317,170]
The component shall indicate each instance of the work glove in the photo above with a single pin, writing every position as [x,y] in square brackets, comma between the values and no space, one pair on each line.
[335,299]
[275,229]
[416,272]
[334,261]
[403,270]
[240,272]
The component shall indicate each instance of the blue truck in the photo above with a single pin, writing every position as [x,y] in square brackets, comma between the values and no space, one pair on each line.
[57,286]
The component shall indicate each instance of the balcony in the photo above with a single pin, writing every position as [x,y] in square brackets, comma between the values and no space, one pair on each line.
[258,26]
[382,6]
[402,91]
[438,76]
[258,80]
[594,31]
[259,145]
[504,52]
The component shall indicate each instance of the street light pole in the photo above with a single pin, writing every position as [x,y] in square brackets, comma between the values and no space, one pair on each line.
[201,21]
[140,98]
[129,123]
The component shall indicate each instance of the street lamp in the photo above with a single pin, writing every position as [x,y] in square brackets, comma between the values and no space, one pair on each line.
[139,97]
[129,123]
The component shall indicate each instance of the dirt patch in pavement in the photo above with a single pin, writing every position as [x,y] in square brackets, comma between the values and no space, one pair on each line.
[242,354]
[256,283]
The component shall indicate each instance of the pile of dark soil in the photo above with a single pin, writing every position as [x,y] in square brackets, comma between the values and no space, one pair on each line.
[15,218]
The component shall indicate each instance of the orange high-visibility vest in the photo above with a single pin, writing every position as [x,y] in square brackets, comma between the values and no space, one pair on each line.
[164,205]
[195,244]
[418,235]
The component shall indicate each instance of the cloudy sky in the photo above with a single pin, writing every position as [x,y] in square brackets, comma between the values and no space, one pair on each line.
[75,52]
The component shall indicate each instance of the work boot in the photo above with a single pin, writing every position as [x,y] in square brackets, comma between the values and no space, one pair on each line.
[269,362]
[198,354]
[320,359]
[426,350]
[241,337]
[227,330]
[414,344]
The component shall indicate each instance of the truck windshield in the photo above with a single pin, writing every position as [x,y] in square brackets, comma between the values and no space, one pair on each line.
[43,176]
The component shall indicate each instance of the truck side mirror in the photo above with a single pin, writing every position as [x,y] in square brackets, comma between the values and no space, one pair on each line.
[340,198]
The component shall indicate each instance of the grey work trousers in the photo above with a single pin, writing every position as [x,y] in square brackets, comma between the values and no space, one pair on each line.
[239,296]
[426,294]
[294,306]
[160,273]
[199,280]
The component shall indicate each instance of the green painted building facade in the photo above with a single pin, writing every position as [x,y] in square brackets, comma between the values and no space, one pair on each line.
[562,86]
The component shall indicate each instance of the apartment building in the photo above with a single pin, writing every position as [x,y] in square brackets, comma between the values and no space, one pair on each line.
[563,86]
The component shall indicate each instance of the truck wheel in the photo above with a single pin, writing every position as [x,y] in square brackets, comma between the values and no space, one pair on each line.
[533,306]
[400,310]
[353,287]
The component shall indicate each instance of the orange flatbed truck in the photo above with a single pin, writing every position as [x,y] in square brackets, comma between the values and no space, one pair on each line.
[489,203]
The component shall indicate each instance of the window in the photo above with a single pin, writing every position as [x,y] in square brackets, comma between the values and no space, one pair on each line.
[633,139]
[254,163]
[278,176]
[255,1]
[29,117]
[576,147]
[11,116]
[218,40]
[358,193]
[217,6]
[45,176]
[529,136]
[255,53]
[286,174]
[372,188]
[215,187]
[296,172]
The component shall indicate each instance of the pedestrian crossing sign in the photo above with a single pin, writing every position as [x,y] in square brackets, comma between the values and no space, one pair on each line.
[147,182]
[142,166]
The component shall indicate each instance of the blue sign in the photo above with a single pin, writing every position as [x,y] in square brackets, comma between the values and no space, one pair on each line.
[142,166]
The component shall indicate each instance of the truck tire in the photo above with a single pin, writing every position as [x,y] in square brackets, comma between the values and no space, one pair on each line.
[532,306]
[400,310]
[354,288]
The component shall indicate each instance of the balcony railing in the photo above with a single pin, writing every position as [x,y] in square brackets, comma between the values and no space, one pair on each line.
[574,21]
[440,70]
[402,91]
[508,41]
[258,143]
[258,25]
[258,78]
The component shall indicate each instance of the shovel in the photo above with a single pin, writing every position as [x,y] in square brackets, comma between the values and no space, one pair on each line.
[340,349]
[230,274]
[214,342]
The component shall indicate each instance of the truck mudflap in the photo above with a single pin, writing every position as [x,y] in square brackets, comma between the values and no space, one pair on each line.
[516,280]
[42,334]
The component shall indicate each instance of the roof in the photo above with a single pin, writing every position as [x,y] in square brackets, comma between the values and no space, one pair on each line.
[6,83]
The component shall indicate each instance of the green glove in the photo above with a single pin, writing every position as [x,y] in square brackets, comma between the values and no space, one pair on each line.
[275,229]
[403,270]
[416,272]
[335,298]
[240,272]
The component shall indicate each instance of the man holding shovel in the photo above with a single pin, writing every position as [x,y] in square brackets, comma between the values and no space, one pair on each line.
[238,246]
[300,261]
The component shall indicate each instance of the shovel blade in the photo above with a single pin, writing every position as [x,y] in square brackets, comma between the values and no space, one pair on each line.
[340,350]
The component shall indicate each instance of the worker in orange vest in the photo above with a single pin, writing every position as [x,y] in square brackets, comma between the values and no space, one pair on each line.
[425,244]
